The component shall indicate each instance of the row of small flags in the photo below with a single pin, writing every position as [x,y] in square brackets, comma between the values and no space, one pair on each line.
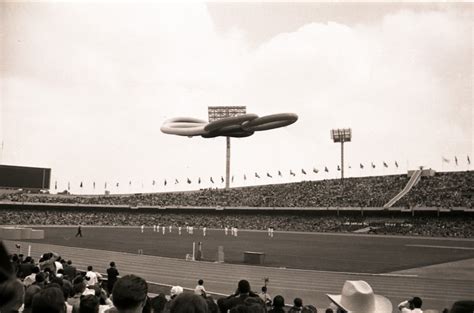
[280,174]
[446,160]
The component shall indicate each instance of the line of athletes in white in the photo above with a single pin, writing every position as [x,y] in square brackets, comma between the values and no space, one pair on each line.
[190,230]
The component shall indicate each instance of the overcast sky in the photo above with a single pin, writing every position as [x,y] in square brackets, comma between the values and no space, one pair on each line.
[86,87]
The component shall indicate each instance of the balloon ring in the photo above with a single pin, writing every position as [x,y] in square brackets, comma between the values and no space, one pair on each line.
[229,131]
[270,122]
[230,121]
[184,126]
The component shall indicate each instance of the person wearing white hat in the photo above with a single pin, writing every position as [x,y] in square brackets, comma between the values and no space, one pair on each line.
[358,297]
[176,291]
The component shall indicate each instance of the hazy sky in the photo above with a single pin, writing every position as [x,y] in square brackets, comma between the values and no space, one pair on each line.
[86,87]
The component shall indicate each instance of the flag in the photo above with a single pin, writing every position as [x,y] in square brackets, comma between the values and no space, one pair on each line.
[80,185]
[338,168]
[165,182]
[176,181]
[130,183]
[385,164]
[268,175]
[222,179]
[326,169]
[315,170]
[68,186]
[188,180]
[55,185]
[350,166]
[93,185]
[256,175]
[303,171]
[199,180]
[456,160]
[105,185]
[117,185]
[279,173]
[232,179]
[373,165]
[245,177]
[153,183]
[445,160]
[291,173]
[396,164]
[212,180]
[361,166]
[468,160]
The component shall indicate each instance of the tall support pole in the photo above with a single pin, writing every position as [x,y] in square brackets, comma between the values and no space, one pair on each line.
[227,164]
[342,161]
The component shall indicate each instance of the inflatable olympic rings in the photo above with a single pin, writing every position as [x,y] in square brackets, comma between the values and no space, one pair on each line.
[230,121]
[235,126]
[229,131]
[270,122]
[184,126]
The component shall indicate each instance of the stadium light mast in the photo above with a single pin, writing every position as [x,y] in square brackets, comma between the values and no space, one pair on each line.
[220,112]
[341,135]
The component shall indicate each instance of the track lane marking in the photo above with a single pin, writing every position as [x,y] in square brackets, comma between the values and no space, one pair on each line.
[440,247]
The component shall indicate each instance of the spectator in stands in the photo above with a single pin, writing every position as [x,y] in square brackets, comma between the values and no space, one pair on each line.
[30,279]
[69,270]
[309,309]
[130,294]
[40,280]
[11,295]
[278,305]
[78,288]
[158,303]
[358,297]
[266,298]
[26,267]
[89,304]
[297,306]
[112,274]
[189,303]
[243,292]
[200,290]
[411,306]
[49,300]
[29,294]
[465,306]
[92,278]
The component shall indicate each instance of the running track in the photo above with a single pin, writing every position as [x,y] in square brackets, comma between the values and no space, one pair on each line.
[310,285]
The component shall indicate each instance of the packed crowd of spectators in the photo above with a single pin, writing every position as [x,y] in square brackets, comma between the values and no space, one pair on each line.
[442,190]
[52,285]
[446,226]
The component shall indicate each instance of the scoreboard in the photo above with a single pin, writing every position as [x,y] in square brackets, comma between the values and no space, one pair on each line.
[24,177]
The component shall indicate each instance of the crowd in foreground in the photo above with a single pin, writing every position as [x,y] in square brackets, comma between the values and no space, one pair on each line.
[447,226]
[53,285]
[444,190]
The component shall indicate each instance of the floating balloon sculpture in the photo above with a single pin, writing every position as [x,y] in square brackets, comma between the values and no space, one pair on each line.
[235,126]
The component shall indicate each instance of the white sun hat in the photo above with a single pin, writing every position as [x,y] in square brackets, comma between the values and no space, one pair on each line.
[358,297]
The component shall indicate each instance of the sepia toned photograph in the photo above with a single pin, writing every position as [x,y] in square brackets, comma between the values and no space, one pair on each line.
[236,157]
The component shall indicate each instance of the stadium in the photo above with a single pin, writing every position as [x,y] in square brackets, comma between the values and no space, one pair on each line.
[114,196]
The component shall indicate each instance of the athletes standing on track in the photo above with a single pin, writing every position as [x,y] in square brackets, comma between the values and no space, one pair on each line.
[204,231]
[143,228]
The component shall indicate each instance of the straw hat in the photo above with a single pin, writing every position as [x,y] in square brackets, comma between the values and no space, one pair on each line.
[358,297]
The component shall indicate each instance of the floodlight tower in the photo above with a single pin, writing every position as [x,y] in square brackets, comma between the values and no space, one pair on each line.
[220,112]
[341,135]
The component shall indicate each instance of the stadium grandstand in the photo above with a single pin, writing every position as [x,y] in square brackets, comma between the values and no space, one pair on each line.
[431,206]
